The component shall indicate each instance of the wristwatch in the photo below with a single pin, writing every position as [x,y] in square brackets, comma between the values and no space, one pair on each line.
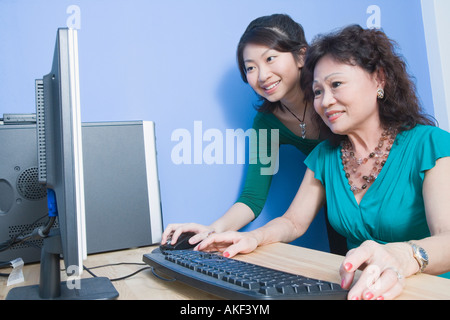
[420,255]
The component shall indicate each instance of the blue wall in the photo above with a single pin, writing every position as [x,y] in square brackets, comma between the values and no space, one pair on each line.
[173,62]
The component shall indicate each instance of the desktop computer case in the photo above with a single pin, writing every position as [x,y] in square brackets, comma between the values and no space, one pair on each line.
[122,199]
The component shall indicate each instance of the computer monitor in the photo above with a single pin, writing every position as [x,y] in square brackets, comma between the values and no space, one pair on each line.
[60,169]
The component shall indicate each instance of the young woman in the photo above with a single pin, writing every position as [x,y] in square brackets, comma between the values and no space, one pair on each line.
[384,171]
[270,56]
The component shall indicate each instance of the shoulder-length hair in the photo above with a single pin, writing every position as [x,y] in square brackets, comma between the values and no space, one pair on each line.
[374,52]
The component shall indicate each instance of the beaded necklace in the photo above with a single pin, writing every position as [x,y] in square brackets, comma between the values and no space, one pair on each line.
[378,156]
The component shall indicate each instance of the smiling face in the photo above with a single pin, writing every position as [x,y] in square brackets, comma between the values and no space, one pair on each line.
[272,74]
[345,96]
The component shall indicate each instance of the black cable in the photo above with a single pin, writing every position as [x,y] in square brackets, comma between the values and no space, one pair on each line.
[116,264]
[5,264]
[46,229]
[162,278]
[130,275]
[90,272]
[37,233]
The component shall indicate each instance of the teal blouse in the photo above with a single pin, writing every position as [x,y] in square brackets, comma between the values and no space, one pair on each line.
[392,210]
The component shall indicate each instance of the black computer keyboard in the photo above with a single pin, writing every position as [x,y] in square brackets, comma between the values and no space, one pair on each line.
[234,279]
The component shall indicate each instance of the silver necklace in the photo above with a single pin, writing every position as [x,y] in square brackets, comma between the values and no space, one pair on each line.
[302,122]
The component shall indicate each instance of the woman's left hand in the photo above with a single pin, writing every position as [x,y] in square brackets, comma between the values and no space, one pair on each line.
[230,243]
[384,268]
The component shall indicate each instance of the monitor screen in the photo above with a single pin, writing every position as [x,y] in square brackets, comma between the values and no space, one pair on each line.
[59,146]
[60,170]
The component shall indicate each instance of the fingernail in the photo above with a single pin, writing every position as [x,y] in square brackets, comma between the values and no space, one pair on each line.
[226,254]
[343,283]
[368,295]
[348,266]
[380,298]
[355,298]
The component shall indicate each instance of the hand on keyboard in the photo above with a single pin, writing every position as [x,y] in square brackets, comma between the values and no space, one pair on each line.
[229,243]
[235,279]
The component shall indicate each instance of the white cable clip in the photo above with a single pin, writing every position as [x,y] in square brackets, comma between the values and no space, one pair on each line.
[16,275]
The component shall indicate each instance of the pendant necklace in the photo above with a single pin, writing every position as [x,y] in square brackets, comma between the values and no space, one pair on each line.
[302,122]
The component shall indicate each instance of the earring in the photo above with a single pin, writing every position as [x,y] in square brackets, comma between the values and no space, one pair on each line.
[380,93]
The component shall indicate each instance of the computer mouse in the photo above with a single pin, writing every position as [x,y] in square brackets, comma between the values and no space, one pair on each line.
[182,242]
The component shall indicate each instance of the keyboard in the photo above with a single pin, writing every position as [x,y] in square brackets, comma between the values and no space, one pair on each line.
[235,280]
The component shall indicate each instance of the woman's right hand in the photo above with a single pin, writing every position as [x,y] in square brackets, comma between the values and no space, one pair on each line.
[173,231]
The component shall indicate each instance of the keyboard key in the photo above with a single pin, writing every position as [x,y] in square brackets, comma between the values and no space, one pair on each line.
[285,289]
[268,290]
[251,284]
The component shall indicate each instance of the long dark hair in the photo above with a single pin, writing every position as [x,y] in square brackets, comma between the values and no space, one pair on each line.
[373,51]
[278,32]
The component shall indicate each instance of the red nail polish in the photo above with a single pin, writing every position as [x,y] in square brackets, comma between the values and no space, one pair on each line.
[368,296]
[348,266]
[343,283]
[226,254]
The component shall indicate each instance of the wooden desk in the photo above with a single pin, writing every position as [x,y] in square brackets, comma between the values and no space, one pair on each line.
[145,285]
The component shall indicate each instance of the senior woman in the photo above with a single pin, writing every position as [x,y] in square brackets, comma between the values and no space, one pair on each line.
[384,171]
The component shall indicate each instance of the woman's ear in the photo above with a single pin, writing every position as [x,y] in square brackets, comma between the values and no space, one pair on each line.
[300,57]
[380,78]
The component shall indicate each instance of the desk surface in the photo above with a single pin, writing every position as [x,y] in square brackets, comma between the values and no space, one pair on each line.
[145,285]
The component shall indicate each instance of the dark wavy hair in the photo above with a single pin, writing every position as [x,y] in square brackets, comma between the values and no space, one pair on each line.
[278,32]
[373,51]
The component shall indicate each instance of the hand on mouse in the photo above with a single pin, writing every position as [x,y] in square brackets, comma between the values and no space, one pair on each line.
[173,232]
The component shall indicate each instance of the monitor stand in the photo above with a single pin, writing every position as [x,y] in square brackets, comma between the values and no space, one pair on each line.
[50,286]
